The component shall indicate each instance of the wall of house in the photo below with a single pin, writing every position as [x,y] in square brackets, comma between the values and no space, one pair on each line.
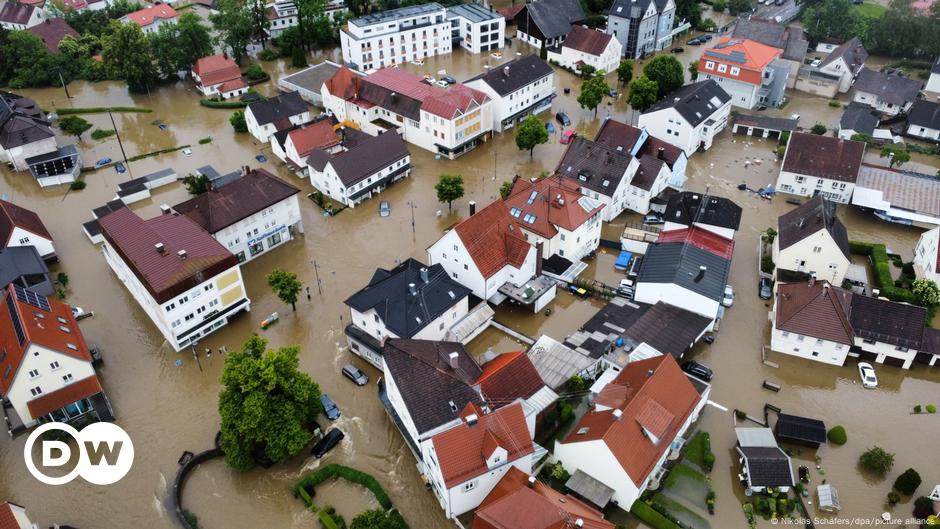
[926,133]
[808,347]
[933,83]
[49,378]
[262,231]
[437,328]
[595,459]
[925,254]
[263,133]
[533,96]
[607,61]
[840,69]
[880,105]
[887,352]
[329,183]
[18,155]
[398,404]
[808,186]
[817,253]
[479,37]
[378,45]
[676,295]
[743,95]
[21,237]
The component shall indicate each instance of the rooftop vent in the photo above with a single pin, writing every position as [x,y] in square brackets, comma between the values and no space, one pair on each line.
[453,359]
[424,275]
[649,373]
[531,481]
[506,71]
[161,249]
[618,414]
[579,522]
[165,209]
[412,289]
[472,419]
[182,255]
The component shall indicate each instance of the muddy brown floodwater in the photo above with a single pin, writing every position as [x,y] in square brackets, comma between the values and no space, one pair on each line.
[168,409]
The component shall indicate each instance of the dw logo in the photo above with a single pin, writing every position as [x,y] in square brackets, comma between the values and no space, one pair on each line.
[105,453]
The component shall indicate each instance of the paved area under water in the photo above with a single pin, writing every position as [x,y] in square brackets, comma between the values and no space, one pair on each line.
[168,409]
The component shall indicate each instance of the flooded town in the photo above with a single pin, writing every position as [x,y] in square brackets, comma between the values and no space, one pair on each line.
[711,305]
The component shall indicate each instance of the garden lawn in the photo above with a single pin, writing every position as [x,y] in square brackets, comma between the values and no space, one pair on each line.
[870,10]
[681,512]
[695,449]
[687,485]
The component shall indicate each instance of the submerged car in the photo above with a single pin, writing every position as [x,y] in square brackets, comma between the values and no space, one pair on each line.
[698,370]
[329,407]
[867,373]
[355,374]
[327,443]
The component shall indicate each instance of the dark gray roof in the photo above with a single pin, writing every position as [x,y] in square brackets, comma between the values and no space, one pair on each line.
[21,120]
[695,102]
[767,466]
[591,164]
[668,329]
[19,261]
[242,197]
[766,122]
[924,113]
[615,315]
[312,78]
[402,312]
[815,214]
[515,74]
[428,384]
[852,51]
[472,12]
[689,207]
[936,66]
[363,158]
[679,263]
[280,107]
[894,323]
[860,117]
[390,100]
[629,8]
[790,39]
[554,17]
[891,87]
[800,429]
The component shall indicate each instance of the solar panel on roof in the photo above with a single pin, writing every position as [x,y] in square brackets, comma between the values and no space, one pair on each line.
[15,318]
[32,298]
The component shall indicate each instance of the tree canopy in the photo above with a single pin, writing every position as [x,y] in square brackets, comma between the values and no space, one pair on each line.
[449,188]
[667,72]
[926,292]
[896,155]
[127,55]
[196,184]
[378,519]
[238,121]
[531,132]
[643,93]
[625,71]
[877,460]
[267,406]
[285,285]
[505,188]
[234,25]
[74,125]
[593,91]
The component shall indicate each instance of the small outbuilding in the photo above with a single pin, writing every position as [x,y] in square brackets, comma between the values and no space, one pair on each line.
[828,499]
[800,430]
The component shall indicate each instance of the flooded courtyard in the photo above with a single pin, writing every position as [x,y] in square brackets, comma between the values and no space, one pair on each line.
[168,409]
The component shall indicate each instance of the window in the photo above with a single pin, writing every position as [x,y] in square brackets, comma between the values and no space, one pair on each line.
[722,68]
[256,248]
[819,341]
[34,373]
[35,391]
[470,485]
[54,365]
[815,353]
[817,249]
[800,338]
[735,70]
[465,267]
[709,65]
[901,349]
[67,378]
[785,334]
[24,240]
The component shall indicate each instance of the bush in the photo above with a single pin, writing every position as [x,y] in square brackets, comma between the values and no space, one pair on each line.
[877,460]
[268,54]
[923,507]
[882,271]
[740,414]
[837,435]
[558,472]
[893,497]
[205,141]
[835,104]
[100,134]
[576,384]
[100,110]
[709,461]
[767,264]
[238,121]
[211,103]
[651,517]
[191,519]
[907,482]
[255,73]
[350,474]
[819,129]
[931,408]
[917,408]
[77,185]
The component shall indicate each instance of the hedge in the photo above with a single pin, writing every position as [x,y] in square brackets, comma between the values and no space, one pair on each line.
[154,153]
[100,110]
[882,270]
[327,520]
[222,104]
[350,474]
[649,516]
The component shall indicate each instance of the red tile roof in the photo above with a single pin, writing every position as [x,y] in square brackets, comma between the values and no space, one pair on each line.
[344,84]
[74,5]
[7,520]
[550,212]
[165,275]
[50,402]
[52,31]
[234,84]
[508,377]
[656,387]
[319,135]
[820,311]
[510,13]
[434,99]
[13,216]
[148,15]
[40,327]
[587,40]
[460,450]
[756,57]
[515,504]
[700,238]
[493,239]
[216,69]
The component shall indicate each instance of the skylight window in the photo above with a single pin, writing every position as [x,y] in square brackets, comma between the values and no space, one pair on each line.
[515,212]
[532,197]
[606,183]
[529,218]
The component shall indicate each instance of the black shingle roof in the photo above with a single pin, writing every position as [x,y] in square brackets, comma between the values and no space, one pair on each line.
[891,87]
[515,74]
[800,429]
[695,102]
[815,214]
[281,107]
[860,117]
[365,155]
[767,466]
[668,329]
[591,164]
[19,261]
[21,121]
[554,17]
[897,324]
[688,207]
[924,113]
[403,313]
[679,263]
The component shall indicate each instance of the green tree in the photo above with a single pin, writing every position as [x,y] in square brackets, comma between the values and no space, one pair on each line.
[593,91]
[233,24]
[285,285]
[818,129]
[587,71]
[719,6]
[531,132]
[74,125]
[449,188]
[267,406]
[834,19]
[877,460]
[260,24]
[907,482]
[378,519]
[736,7]
[667,72]
[254,72]
[196,184]
[238,121]
[693,71]
[505,189]
[643,93]
[24,60]
[192,39]
[308,12]
[625,71]
[896,155]
[126,54]
[298,57]
[926,292]
[690,10]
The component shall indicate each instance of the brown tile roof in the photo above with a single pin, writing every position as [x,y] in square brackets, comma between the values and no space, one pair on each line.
[16,13]
[460,450]
[657,386]
[616,134]
[823,157]
[7,521]
[13,216]
[587,40]
[344,84]
[165,275]
[601,166]
[549,212]
[515,504]
[446,103]
[510,13]
[813,215]
[318,135]
[219,208]
[216,69]
[820,311]
[234,84]
[508,377]
[50,402]
[52,31]
[493,239]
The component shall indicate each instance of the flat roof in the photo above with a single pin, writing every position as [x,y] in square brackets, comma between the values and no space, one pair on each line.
[396,14]
[312,78]
[472,12]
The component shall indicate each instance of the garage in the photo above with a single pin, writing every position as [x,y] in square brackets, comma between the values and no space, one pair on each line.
[892,361]
[761,126]
[867,356]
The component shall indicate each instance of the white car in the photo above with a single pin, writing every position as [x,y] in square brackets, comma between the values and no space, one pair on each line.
[816,63]
[867,373]
[728,299]
[442,83]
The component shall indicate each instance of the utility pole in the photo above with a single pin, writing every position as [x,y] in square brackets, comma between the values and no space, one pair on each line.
[316,270]
[413,231]
[61,80]
[121,145]
[196,356]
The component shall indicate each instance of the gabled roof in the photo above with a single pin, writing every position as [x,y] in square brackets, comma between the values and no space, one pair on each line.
[403,313]
[27,318]
[493,239]
[647,172]
[461,451]
[659,398]
[149,15]
[555,17]
[19,261]
[391,88]
[680,264]
[343,84]
[432,391]
[890,87]
[165,274]
[363,158]
[220,207]
[515,503]
[852,51]
[620,136]
[587,40]
[280,107]
[508,377]
[924,113]
[819,310]
[590,164]
[695,102]
[515,74]
[8,518]
[16,13]
[546,204]
[898,324]
[823,157]
[13,216]
[790,39]
[21,121]
[668,329]
[689,208]
[796,428]
[813,215]
[861,118]
[316,135]
[216,69]
[52,31]
[75,391]
[700,238]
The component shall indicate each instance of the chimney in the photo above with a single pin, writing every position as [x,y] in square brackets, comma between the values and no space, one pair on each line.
[182,255]
[412,289]
[538,258]
[161,249]
[472,419]
[393,97]
[579,522]
[424,275]
[561,199]
[165,209]
[701,273]
[649,373]
[506,71]
[661,153]
[812,278]
[531,482]
[618,414]
[453,359]
[473,207]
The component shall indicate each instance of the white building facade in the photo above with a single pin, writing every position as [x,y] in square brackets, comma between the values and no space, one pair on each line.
[396,36]
[691,117]
[518,88]
[927,255]
[476,28]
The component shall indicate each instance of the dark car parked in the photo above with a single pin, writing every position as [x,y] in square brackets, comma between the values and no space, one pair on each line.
[697,41]
[698,370]
[677,49]
[329,407]
[765,288]
[327,443]
[563,119]
[449,79]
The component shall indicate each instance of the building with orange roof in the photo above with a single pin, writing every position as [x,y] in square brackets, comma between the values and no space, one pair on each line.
[621,444]
[750,72]
[151,18]
[218,75]
[13,516]
[46,370]
[293,146]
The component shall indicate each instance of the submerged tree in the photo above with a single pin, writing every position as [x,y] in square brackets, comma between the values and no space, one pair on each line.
[449,188]
[530,134]
[285,285]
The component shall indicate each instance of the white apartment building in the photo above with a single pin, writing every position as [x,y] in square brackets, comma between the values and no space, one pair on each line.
[265,118]
[475,28]
[283,15]
[927,255]
[517,88]
[588,46]
[396,36]
[811,240]
[820,165]
[150,258]
[248,216]
[690,117]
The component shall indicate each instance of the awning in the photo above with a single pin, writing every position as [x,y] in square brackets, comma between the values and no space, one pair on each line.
[590,489]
